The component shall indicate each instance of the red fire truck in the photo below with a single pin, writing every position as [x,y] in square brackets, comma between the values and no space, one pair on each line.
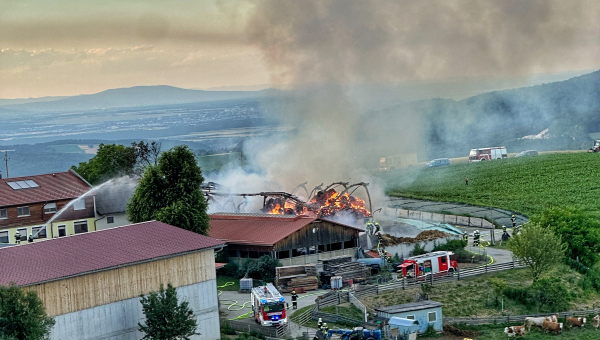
[439,262]
[487,154]
[268,306]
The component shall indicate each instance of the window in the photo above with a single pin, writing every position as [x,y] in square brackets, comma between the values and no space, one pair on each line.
[81,227]
[110,219]
[62,230]
[22,211]
[79,204]
[38,232]
[22,233]
[4,236]
[50,208]
[432,316]
[3,213]
[411,317]
[443,259]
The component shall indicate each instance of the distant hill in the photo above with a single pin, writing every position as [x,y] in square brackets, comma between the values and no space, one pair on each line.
[570,109]
[133,97]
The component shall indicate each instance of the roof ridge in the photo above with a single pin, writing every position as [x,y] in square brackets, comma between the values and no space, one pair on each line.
[13,179]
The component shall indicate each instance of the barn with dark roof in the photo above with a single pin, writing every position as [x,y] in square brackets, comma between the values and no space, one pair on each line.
[91,283]
[291,239]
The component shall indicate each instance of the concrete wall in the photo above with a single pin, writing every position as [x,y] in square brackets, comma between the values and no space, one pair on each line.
[118,320]
[403,249]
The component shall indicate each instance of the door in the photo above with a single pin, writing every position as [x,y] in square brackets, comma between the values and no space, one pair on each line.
[443,263]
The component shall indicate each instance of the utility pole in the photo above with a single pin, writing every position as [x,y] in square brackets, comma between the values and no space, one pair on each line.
[6,162]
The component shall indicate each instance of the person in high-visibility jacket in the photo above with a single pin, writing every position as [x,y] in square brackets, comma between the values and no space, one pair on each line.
[294,299]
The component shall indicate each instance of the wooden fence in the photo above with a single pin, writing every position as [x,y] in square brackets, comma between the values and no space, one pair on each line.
[247,326]
[356,302]
[488,320]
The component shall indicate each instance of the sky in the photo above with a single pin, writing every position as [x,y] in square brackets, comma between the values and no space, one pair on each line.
[70,47]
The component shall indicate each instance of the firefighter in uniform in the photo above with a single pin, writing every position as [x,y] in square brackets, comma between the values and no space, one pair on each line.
[514,221]
[319,335]
[294,299]
[505,235]
[476,238]
[466,237]
[325,328]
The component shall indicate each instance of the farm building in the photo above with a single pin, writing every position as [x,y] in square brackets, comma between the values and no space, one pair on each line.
[293,240]
[425,312]
[91,283]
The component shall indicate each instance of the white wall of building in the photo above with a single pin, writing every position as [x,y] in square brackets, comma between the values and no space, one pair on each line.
[119,320]
[119,221]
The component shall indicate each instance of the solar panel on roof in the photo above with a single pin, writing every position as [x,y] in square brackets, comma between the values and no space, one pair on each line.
[13,185]
[32,184]
[23,184]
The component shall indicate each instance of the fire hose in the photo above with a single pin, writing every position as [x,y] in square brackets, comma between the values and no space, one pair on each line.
[233,303]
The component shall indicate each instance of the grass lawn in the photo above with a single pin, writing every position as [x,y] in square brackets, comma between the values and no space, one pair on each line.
[496,332]
[223,280]
[526,184]
[475,296]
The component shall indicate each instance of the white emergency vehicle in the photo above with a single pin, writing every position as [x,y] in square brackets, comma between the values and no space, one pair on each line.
[268,306]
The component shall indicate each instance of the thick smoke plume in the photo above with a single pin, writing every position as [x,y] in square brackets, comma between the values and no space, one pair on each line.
[323,49]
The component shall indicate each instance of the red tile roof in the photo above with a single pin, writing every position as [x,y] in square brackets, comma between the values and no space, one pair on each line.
[264,230]
[219,265]
[100,250]
[61,185]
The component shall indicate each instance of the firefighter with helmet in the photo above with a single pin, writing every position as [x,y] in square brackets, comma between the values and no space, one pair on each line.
[476,238]
[294,299]
[514,221]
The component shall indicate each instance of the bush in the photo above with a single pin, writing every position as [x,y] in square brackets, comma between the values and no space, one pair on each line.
[451,245]
[465,256]
[230,269]
[546,294]
[579,230]
[430,332]
[226,329]
[261,269]
[418,250]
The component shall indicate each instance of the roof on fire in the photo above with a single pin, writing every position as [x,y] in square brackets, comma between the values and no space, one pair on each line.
[42,188]
[259,229]
[81,254]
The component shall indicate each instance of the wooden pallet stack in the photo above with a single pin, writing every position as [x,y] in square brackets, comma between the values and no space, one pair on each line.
[301,278]
[344,267]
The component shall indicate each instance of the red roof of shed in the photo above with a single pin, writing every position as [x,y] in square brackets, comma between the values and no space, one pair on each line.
[52,187]
[258,229]
[100,250]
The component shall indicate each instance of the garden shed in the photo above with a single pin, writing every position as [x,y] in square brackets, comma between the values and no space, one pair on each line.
[401,328]
[425,312]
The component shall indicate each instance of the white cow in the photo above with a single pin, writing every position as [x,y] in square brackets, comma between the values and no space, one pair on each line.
[537,322]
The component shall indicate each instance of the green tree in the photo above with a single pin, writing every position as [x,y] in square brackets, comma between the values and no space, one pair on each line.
[166,318]
[579,229]
[261,269]
[170,192]
[111,161]
[538,248]
[22,315]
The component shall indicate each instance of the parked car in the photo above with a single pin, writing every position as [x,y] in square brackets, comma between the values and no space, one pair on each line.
[438,162]
[527,153]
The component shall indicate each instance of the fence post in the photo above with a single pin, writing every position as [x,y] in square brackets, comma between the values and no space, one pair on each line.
[432,279]
[513,264]
[403,283]
[457,274]
[486,267]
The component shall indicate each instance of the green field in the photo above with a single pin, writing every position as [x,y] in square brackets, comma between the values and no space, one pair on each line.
[223,283]
[526,184]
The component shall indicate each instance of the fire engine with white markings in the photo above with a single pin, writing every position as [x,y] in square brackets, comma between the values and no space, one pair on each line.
[487,154]
[436,263]
[268,306]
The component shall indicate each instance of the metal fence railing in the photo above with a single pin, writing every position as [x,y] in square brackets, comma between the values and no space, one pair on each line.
[488,320]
